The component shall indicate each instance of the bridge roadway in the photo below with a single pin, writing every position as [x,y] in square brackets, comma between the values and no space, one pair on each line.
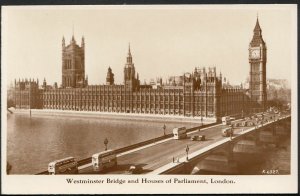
[156,155]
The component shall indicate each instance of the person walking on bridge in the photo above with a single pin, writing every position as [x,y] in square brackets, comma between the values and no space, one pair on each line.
[187,152]
[231,133]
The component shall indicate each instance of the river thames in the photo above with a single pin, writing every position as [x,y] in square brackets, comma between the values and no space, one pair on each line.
[34,142]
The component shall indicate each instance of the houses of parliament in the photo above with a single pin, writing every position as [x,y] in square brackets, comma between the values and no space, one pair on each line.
[200,93]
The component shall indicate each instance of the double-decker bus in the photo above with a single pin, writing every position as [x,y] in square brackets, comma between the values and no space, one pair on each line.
[63,166]
[104,160]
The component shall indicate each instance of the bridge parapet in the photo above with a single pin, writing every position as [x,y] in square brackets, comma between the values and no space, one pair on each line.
[246,141]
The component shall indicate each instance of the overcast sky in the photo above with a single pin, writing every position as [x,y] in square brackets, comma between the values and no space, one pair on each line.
[164,41]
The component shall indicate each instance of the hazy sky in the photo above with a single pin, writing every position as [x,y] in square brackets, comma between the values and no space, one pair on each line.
[164,41]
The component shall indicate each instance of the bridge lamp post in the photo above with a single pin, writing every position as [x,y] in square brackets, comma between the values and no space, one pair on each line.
[105,143]
[164,128]
[187,152]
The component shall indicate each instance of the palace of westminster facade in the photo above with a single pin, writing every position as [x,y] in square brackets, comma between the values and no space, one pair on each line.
[197,94]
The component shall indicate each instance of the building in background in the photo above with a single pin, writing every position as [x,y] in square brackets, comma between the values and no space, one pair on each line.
[73,67]
[200,93]
[258,61]
[27,94]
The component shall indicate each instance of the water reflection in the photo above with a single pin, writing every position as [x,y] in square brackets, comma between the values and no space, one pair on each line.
[34,142]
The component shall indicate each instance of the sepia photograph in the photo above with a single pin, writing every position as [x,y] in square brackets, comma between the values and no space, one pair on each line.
[177,97]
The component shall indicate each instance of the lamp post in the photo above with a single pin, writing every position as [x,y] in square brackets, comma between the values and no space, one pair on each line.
[164,128]
[105,143]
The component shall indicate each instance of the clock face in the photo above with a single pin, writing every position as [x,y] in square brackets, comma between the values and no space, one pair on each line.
[255,53]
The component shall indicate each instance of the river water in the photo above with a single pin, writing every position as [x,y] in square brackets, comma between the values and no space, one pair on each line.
[34,142]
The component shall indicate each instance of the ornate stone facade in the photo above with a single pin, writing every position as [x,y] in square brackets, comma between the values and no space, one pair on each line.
[200,93]
[27,94]
[73,67]
[258,61]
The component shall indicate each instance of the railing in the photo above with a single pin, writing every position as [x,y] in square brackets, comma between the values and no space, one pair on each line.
[167,169]
[133,146]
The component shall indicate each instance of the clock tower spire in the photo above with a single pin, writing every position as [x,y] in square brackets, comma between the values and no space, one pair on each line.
[258,60]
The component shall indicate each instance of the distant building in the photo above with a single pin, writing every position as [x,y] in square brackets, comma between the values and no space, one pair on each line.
[199,93]
[278,90]
[277,83]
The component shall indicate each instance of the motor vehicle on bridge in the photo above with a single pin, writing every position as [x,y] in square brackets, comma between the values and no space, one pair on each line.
[247,118]
[67,165]
[226,120]
[104,160]
[227,132]
[135,169]
[179,133]
[243,124]
[236,124]
[198,138]
[195,137]
[249,123]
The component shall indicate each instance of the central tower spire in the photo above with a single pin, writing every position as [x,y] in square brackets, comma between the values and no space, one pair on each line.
[129,72]
[72,31]
[129,56]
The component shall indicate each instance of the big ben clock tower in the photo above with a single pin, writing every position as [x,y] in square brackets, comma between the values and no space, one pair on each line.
[258,60]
